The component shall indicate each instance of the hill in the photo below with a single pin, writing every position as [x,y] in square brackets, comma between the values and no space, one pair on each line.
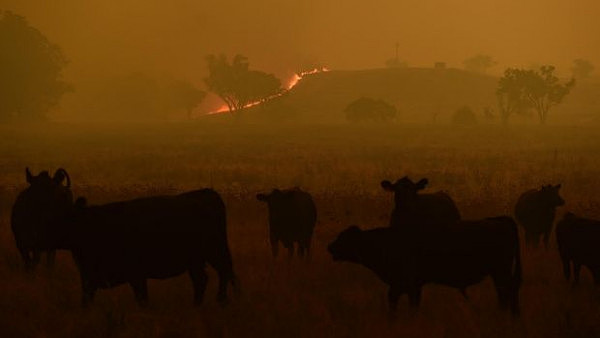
[420,94]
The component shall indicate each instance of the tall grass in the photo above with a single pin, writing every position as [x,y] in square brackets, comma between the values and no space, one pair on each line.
[483,168]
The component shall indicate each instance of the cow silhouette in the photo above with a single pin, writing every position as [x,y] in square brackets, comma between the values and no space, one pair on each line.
[458,256]
[535,211]
[579,244]
[292,218]
[153,237]
[44,200]
[429,211]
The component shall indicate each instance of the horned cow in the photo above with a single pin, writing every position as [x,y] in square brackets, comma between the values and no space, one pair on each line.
[44,200]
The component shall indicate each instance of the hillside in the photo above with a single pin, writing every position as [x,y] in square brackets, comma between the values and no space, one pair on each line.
[418,93]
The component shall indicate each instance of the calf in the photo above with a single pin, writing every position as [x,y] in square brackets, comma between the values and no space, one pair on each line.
[535,211]
[292,218]
[429,211]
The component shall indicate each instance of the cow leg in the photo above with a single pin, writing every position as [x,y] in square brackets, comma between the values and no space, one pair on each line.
[274,245]
[566,263]
[35,259]
[463,291]
[300,249]
[87,292]
[25,255]
[532,239]
[414,297]
[596,275]
[224,279]
[291,250]
[503,288]
[307,247]
[576,272]
[140,291]
[199,283]
[50,258]
[393,297]
[546,238]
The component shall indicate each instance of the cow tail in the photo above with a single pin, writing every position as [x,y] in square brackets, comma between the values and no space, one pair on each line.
[518,269]
[233,279]
[517,275]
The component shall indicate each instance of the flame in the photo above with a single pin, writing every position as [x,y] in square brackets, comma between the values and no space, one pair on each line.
[296,78]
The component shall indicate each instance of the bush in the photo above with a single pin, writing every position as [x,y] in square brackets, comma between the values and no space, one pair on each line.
[464,116]
[367,109]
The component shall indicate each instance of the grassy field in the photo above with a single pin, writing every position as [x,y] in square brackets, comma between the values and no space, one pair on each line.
[484,169]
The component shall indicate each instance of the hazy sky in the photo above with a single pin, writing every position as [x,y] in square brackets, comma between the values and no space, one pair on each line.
[171,38]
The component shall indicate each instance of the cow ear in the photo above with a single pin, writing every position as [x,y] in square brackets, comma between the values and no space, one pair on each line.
[387,185]
[261,197]
[28,175]
[58,177]
[81,202]
[422,184]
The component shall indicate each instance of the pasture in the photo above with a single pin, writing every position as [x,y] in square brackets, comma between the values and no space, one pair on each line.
[484,168]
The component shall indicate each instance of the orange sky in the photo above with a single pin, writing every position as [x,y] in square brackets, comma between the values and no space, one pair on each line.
[171,38]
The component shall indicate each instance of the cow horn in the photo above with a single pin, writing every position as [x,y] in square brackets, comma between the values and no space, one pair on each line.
[61,174]
[28,175]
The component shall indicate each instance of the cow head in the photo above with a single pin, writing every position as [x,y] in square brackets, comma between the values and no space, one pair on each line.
[344,247]
[405,191]
[551,195]
[47,198]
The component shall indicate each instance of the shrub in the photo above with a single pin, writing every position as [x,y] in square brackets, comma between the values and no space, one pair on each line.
[367,109]
[464,116]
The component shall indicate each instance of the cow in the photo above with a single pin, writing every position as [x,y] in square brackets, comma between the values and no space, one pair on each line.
[429,211]
[462,255]
[152,237]
[579,243]
[45,199]
[535,211]
[292,218]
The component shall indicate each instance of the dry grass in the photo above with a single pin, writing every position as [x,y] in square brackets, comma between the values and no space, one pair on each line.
[483,168]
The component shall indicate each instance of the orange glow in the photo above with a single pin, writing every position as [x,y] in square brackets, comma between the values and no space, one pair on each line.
[291,84]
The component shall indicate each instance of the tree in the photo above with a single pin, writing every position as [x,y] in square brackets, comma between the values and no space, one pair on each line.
[464,116]
[520,89]
[511,94]
[582,69]
[479,63]
[184,95]
[237,85]
[30,70]
[543,90]
[367,109]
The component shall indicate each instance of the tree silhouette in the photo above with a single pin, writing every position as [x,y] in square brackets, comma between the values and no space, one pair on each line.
[237,85]
[511,94]
[543,90]
[522,89]
[184,95]
[30,70]
[582,69]
[479,63]
[367,109]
